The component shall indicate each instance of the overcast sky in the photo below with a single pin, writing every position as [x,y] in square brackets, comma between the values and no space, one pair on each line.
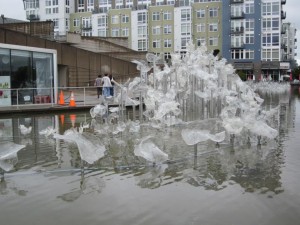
[15,9]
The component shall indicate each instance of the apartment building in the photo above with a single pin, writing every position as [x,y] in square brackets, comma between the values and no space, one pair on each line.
[55,10]
[253,40]
[248,33]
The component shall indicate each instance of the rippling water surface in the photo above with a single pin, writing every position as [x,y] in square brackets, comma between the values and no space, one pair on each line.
[241,184]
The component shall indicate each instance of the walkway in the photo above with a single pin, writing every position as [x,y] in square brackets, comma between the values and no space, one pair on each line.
[83,102]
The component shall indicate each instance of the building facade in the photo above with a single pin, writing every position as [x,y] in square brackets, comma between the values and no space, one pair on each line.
[253,39]
[248,33]
[27,74]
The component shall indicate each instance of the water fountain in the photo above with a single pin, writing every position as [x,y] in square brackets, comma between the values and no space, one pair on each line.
[198,96]
[187,144]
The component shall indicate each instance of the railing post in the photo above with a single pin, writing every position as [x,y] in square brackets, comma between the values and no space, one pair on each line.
[84,96]
[17,98]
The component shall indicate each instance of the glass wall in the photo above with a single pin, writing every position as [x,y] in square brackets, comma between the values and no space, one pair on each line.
[29,76]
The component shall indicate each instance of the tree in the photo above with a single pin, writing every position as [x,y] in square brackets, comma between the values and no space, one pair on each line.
[296,72]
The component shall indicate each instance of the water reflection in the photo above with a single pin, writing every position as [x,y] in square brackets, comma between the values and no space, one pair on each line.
[89,183]
[254,164]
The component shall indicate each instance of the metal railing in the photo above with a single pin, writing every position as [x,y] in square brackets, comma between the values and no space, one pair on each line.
[19,97]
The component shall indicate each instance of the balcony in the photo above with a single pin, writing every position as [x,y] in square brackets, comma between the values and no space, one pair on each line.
[237,30]
[283,2]
[236,1]
[86,27]
[237,45]
[284,47]
[283,15]
[283,31]
[237,15]
[32,17]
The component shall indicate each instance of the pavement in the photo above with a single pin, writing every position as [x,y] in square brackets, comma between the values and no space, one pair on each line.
[82,102]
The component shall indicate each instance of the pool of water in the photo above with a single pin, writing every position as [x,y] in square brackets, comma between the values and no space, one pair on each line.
[243,183]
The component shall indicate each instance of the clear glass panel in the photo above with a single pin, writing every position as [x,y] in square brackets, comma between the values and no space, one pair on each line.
[22,77]
[42,65]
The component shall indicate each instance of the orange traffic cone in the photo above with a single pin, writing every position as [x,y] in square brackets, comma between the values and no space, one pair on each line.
[73,119]
[62,119]
[61,98]
[72,100]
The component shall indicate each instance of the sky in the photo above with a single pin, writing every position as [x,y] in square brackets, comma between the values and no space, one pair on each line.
[15,9]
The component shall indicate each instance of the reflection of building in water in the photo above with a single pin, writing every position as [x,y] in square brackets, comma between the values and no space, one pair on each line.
[253,167]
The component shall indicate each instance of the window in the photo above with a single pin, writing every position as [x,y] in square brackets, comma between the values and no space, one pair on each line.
[270,54]
[67,24]
[236,10]
[102,32]
[156,43]
[125,19]
[115,32]
[170,2]
[31,4]
[86,33]
[167,29]
[249,25]
[55,10]
[213,27]
[270,8]
[48,2]
[54,2]
[201,13]
[90,3]
[185,15]
[201,27]
[102,21]
[156,30]
[249,54]
[142,17]
[56,23]
[185,29]
[236,41]
[125,32]
[142,45]
[67,10]
[271,39]
[159,2]
[142,31]
[213,41]
[76,22]
[184,2]
[86,22]
[80,3]
[184,42]
[249,8]
[119,4]
[237,54]
[48,10]
[168,43]
[213,12]
[270,24]
[155,16]
[115,19]
[249,38]
[167,16]
[200,41]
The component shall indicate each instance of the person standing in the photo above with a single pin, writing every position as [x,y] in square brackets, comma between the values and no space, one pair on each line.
[106,86]
[112,85]
[98,83]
